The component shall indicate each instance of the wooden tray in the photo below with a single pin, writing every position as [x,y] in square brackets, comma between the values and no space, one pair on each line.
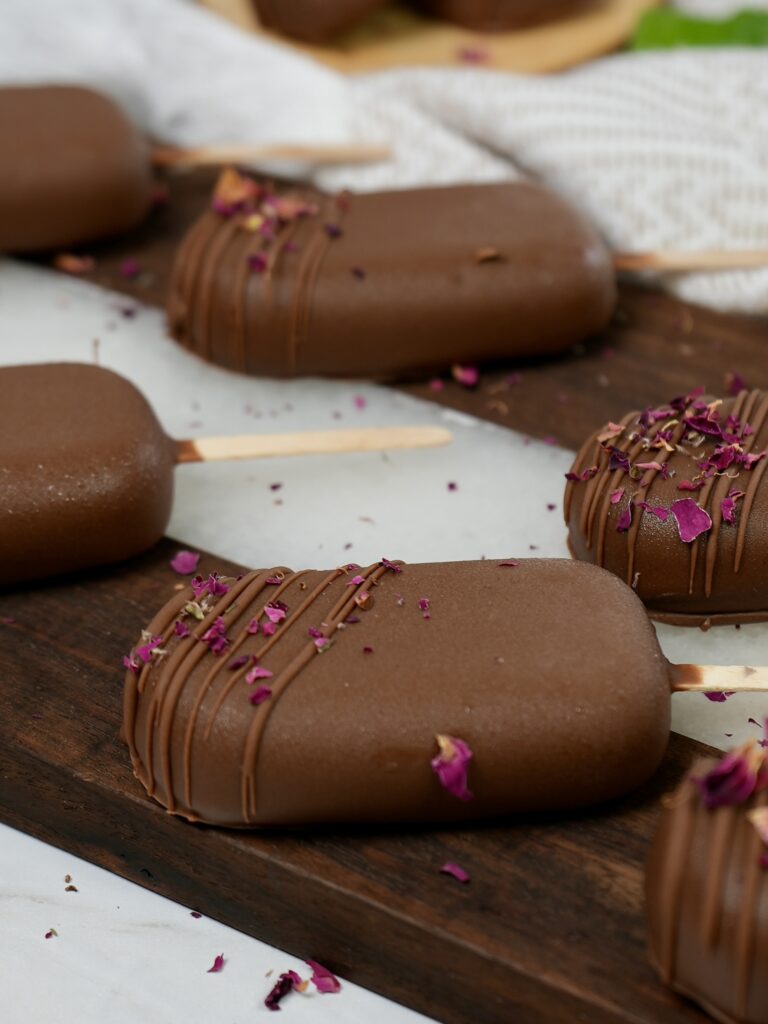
[549,929]
[395,37]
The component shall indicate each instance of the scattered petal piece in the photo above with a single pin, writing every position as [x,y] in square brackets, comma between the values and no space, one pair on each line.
[256,673]
[692,519]
[360,401]
[452,485]
[467,376]
[129,269]
[285,983]
[451,764]
[436,384]
[260,694]
[616,495]
[181,628]
[218,964]
[322,978]
[195,913]
[458,872]
[733,779]
[273,613]
[719,696]
[508,565]
[625,519]
[185,562]
[51,933]
[355,581]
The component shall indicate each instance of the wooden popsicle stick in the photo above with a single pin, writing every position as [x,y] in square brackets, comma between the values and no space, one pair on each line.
[207,156]
[681,261]
[718,679]
[314,442]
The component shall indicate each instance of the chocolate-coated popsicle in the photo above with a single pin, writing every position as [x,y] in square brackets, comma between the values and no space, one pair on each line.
[73,169]
[672,500]
[293,698]
[707,887]
[501,15]
[313,20]
[386,284]
[86,474]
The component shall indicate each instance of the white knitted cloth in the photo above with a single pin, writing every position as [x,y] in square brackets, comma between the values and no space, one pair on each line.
[661,150]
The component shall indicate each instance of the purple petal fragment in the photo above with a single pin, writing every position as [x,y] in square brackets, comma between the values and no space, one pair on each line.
[451,765]
[692,519]
[322,978]
[458,872]
[185,562]
[218,964]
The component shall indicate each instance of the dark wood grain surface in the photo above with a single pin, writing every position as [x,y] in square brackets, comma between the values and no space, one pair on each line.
[549,929]
[657,347]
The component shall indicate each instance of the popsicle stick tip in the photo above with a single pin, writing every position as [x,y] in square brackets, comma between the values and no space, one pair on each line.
[672,261]
[320,442]
[319,154]
[718,679]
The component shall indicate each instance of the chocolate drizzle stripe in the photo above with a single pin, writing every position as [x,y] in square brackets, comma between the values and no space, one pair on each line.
[198,256]
[210,268]
[721,489]
[280,632]
[720,822]
[748,917]
[755,476]
[250,760]
[673,882]
[742,407]
[184,275]
[259,581]
[306,278]
[169,685]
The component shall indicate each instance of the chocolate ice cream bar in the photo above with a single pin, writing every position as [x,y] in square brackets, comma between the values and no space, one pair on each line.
[672,500]
[386,284]
[707,887]
[313,21]
[86,470]
[433,692]
[73,169]
[500,15]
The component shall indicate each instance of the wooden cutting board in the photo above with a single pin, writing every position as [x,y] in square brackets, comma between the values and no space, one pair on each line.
[549,929]
[395,36]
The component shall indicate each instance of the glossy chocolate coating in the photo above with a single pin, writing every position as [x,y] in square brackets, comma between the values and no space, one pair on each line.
[721,575]
[416,280]
[549,670]
[707,905]
[73,168]
[498,15]
[313,20]
[86,473]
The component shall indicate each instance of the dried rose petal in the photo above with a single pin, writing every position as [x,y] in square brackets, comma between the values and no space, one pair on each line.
[718,696]
[610,431]
[51,933]
[322,978]
[692,519]
[458,872]
[218,964]
[260,694]
[385,562]
[238,662]
[585,474]
[616,496]
[436,384]
[625,519]
[733,779]
[180,628]
[355,581]
[257,672]
[467,376]
[216,637]
[508,565]
[185,562]
[273,613]
[286,983]
[451,765]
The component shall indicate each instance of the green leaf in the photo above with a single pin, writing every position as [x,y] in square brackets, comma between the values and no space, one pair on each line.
[666,29]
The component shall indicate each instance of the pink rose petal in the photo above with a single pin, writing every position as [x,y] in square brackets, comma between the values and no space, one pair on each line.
[218,964]
[451,764]
[692,519]
[322,978]
[458,872]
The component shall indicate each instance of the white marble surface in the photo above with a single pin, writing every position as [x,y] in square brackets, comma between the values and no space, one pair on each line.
[148,959]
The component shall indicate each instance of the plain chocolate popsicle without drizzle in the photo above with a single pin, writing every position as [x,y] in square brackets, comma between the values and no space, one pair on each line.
[86,470]
[386,284]
[301,698]
[673,500]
